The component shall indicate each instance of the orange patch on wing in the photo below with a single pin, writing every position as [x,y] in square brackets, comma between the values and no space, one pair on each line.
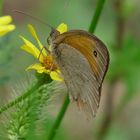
[86,46]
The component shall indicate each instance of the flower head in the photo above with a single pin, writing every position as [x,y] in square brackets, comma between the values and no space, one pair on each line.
[46,63]
[5,25]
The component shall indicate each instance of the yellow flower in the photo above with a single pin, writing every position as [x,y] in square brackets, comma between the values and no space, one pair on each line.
[5,25]
[46,63]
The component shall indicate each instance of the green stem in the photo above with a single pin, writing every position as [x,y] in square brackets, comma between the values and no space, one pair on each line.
[96,16]
[1,7]
[59,118]
[22,97]
[66,102]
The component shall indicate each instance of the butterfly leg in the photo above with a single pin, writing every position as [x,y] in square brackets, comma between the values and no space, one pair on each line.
[47,50]
[51,68]
[44,47]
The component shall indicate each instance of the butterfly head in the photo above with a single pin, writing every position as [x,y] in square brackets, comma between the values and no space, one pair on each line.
[53,34]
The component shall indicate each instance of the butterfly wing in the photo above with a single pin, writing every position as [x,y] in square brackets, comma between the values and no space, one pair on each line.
[83,60]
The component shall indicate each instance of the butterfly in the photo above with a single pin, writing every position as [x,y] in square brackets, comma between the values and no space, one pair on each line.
[83,60]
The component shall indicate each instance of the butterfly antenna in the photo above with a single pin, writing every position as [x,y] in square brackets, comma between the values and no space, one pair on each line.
[35,18]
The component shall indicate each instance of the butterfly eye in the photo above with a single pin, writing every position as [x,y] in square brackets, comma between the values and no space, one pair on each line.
[95,53]
[54,33]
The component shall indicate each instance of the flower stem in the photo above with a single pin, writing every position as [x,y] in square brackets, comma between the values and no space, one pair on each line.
[25,95]
[66,102]
[1,7]
[59,118]
[95,19]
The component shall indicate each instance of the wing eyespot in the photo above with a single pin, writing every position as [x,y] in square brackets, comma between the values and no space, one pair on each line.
[95,53]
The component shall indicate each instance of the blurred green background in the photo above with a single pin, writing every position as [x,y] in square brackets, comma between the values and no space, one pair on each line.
[118,117]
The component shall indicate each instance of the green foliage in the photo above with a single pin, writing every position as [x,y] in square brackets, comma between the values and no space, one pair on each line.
[129,61]
[117,133]
[28,115]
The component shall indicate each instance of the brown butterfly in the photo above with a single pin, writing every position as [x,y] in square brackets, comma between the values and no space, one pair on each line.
[83,60]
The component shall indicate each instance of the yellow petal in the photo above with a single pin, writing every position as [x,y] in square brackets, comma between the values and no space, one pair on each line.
[32,49]
[38,67]
[4,29]
[4,20]
[55,75]
[34,34]
[62,28]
